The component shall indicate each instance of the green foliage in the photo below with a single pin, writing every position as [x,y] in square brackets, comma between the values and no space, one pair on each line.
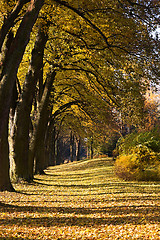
[150,139]
[139,156]
[107,147]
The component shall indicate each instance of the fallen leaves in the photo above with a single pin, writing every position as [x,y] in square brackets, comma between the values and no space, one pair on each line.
[81,200]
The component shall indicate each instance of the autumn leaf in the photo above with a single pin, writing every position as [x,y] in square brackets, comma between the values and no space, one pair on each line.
[81,200]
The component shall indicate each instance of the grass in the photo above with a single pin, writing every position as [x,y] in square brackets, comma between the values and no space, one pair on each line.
[81,200]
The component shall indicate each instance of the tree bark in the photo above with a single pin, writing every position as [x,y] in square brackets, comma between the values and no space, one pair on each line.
[23,121]
[5,183]
[16,51]
[91,154]
[52,161]
[78,148]
[59,155]
[11,127]
[38,139]
[10,20]
[72,146]
[9,70]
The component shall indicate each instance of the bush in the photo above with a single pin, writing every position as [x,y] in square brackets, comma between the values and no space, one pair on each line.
[142,164]
[150,175]
[128,167]
[158,171]
[139,156]
[145,155]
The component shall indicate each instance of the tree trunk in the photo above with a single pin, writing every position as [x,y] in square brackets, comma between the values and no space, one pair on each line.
[78,148]
[59,157]
[49,142]
[91,154]
[5,184]
[11,127]
[40,155]
[40,150]
[10,66]
[10,20]
[41,124]
[53,148]
[87,151]
[72,146]
[9,70]
[23,121]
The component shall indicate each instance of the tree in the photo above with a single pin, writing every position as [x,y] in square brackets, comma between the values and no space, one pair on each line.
[109,59]
[37,147]
[9,68]
[22,117]
[12,13]
[151,111]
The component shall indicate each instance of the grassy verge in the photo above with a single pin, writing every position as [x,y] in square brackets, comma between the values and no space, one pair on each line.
[81,200]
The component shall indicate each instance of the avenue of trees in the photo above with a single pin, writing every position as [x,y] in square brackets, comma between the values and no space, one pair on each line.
[76,70]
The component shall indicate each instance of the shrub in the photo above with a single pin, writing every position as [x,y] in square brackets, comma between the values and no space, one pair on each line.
[139,156]
[158,171]
[150,175]
[145,156]
[142,164]
[128,167]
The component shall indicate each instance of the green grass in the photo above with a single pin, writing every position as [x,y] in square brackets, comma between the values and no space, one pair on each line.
[81,200]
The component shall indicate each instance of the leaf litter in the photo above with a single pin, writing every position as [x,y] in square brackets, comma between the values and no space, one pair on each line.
[81,200]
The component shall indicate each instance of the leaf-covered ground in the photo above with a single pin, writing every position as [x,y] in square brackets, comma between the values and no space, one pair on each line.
[81,200]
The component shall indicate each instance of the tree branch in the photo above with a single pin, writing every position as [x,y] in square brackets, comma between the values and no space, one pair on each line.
[82,15]
[9,21]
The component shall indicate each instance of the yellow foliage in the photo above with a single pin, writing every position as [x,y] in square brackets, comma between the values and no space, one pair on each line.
[138,166]
[128,167]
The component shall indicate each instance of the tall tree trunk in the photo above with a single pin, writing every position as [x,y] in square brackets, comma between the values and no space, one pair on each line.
[10,66]
[9,70]
[53,148]
[59,156]
[40,153]
[10,20]
[87,151]
[41,142]
[41,124]
[23,121]
[91,154]
[78,148]
[11,127]
[5,184]
[72,146]
[49,141]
